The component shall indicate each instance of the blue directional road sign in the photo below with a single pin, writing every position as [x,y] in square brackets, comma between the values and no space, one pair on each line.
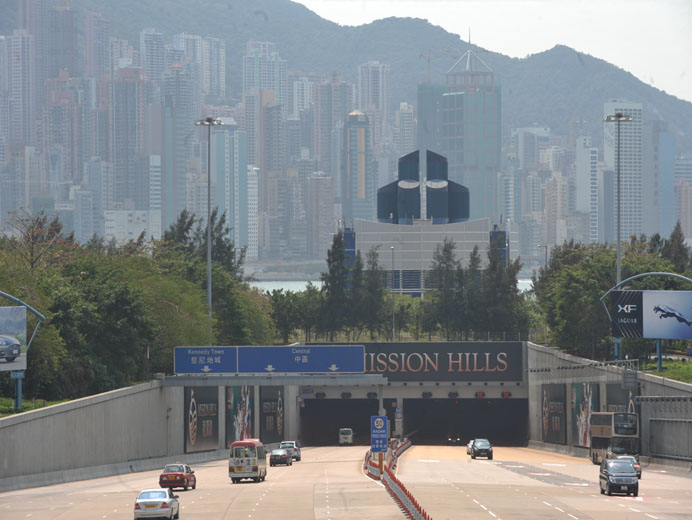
[302,359]
[17,374]
[206,360]
[378,433]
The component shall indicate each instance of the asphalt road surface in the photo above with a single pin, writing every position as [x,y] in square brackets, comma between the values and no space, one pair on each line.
[521,483]
[329,484]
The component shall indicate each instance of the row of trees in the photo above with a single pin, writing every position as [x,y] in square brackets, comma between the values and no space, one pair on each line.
[466,302]
[569,289]
[115,312]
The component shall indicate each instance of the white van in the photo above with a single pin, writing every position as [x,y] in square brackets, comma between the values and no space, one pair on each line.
[247,459]
[345,436]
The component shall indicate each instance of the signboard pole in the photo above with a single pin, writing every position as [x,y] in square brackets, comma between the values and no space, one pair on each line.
[18,400]
[658,355]
[381,462]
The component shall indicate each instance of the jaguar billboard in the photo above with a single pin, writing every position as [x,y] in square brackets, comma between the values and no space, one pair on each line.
[652,314]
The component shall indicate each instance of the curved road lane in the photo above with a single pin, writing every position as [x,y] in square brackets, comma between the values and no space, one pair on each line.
[522,483]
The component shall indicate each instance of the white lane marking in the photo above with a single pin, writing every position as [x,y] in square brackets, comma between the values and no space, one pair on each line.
[428,460]
[635,510]
[575,518]
[651,516]
[484,508]
[561,511]
[492,514]
[553,464]
[476,501]
[547,504]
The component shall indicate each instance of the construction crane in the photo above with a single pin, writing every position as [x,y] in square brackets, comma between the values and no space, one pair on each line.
[447,54]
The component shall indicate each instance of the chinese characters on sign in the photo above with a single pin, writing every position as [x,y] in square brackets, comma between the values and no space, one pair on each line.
[378,434]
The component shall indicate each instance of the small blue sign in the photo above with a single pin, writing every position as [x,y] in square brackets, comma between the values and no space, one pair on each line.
[302,359]
[206,360]
[378,433]
[17,374]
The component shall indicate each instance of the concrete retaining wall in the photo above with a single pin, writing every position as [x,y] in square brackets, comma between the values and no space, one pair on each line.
[665,424]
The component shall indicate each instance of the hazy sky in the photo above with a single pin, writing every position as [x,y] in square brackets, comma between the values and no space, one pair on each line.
[652,39]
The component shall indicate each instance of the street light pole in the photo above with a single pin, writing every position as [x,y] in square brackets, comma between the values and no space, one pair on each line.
[617,118]
[392,248]
[209,122]
[545,272]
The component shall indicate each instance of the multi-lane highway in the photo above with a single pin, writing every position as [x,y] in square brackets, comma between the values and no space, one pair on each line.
[521,483]
[329,484]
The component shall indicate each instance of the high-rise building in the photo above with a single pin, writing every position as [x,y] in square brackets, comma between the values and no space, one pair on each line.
[471,132]
[658,165]
[152,55]
[62,43]
[263,68]
[372,98]
[405,125]
[100,182]
[630,167]
[84,227]
[587,183]
[252,252]
[96,46]
[23,86]
[319,209]
[358,174]
[333,102]
[230,179]
[131,93]
[214,67]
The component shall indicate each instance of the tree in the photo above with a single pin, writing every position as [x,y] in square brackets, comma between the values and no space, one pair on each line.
[373,303]
[309,305]
[472,294]
[334,311]
[444,274]
[356,294]
[499,288]
[675,249]
[36,238]
[284,312]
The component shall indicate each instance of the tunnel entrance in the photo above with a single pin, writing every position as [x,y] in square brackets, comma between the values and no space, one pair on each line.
[502,421]
[320,419]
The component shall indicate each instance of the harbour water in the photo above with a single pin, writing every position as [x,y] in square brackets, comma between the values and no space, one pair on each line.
[300,285]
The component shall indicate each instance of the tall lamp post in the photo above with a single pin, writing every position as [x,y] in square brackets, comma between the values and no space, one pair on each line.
[392,248]
[209,122]
[617,118]
[545,246]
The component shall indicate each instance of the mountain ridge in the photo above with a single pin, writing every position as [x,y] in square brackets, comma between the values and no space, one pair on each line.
[551,88]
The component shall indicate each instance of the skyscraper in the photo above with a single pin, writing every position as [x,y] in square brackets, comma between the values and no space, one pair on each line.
[372,97]
[333,102]
[263,68]
[658,165]
[630,164]
[152,54]
[22,87]
[358,175]
[96,46]
[471,132]
[587,183]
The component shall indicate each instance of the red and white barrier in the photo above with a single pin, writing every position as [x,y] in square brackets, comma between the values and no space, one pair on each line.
[393,485]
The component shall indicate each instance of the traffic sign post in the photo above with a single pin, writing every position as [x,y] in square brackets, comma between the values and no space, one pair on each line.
[17,374]
[378,434]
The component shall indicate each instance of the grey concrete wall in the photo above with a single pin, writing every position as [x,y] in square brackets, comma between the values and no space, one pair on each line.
[119,428]
[666,425]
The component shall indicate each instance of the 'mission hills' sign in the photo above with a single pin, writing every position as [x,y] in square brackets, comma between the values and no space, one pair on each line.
[463,361]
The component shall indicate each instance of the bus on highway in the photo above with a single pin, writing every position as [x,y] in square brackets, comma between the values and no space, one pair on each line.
[613,434]
[247,459]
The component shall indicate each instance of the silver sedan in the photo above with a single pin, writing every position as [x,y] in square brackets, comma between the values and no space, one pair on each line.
[157,503]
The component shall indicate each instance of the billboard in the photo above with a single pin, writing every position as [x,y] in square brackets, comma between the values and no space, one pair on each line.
[553,411]
[619,399]
[584,400]
[12,338]
[652,314]
[201,418]
[272,410]
[446,361]
[239,413]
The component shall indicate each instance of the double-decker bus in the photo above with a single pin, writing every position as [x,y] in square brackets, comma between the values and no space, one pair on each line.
[613,434]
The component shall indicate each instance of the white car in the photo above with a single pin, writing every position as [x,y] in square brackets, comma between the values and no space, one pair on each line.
[10,348]
[345,436]
[293,448]
[157,503]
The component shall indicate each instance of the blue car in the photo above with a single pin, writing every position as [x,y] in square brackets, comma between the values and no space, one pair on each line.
[10,348]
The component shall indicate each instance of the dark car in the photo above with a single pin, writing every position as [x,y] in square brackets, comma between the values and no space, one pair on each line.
[635,463]
[469,447]
[10,348]
[618,476]
[281,456]
[177,475]
[453,438]
[481,448]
